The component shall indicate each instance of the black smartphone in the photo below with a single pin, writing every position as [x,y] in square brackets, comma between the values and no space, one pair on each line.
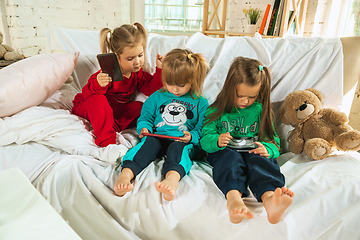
[109,64]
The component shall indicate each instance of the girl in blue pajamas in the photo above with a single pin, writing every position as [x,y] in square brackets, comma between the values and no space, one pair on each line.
[176,110]
[242,111]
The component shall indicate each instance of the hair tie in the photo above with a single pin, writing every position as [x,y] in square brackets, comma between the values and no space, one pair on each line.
[261,68]
[189,56]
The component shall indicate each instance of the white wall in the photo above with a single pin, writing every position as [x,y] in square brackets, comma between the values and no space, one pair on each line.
[27,20]
[24,22]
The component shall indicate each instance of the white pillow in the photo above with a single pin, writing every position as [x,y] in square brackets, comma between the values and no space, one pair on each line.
[29,82]
[71,40]
[209,47]
[157,43]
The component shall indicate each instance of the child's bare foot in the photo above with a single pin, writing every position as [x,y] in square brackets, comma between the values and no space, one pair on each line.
[169,185]
[167,188]
[236,207]
[123,182]
[276,203]
[238,211]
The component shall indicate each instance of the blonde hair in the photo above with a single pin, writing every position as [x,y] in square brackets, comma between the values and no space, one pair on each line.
[127,35]
[249,72]
[182,66]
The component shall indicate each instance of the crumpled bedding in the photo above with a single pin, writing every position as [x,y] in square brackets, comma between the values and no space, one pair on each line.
[57,129]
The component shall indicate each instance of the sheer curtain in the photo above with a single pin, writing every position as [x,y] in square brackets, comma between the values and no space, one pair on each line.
[334,18]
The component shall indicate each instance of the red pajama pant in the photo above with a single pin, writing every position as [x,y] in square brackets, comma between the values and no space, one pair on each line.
[107,119]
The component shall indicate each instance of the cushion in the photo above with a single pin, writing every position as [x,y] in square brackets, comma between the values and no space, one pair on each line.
[29,82]
[209,47]
[160,44]
[87,43]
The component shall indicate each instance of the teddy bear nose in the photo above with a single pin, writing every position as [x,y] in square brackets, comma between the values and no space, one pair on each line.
[303,107]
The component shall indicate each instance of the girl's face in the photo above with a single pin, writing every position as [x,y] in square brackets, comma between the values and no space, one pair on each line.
[246,95]
[131,60]
[178,90]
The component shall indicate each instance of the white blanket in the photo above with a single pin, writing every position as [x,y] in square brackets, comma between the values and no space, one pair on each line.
[57,129]
[326,203]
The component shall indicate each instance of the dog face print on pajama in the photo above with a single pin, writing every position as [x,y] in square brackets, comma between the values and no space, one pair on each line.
[175,114]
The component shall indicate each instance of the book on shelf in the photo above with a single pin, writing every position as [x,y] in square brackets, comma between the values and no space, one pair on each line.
[268,21]
[263,23]
[273,17]
[277,27]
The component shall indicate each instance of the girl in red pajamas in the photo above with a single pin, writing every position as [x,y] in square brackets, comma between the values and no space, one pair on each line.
[108,105]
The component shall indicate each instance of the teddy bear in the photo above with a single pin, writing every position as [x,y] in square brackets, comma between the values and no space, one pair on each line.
[7,52]
[317,131]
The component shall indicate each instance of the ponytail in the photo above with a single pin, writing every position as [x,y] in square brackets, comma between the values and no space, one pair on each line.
[182,66]
[104,40]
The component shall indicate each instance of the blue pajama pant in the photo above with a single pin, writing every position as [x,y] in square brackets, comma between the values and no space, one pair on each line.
[235,171]
[177,155]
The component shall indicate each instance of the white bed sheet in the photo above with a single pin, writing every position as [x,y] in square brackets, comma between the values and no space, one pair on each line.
[326,203]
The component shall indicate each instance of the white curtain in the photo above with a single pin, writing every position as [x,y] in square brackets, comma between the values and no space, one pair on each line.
[334,18]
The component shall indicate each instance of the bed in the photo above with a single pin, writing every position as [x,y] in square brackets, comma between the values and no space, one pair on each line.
[57,153]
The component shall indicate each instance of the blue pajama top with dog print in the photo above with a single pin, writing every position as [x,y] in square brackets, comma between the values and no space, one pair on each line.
[168,114]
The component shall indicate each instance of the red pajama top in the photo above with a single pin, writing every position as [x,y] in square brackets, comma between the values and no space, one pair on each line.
[122,91]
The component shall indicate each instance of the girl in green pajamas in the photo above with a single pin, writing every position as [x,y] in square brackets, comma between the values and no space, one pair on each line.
[242,111]
[177,110]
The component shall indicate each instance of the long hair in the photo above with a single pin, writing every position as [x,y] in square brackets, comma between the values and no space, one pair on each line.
[127,35]
[182,66]
[246,71]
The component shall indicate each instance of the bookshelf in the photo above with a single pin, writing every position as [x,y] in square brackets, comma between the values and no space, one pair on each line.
[215,15]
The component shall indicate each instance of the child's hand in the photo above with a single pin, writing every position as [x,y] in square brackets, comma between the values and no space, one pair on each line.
[224,139]
[144,130]
[103,79]
[261,150]
[186,138]
[159,59]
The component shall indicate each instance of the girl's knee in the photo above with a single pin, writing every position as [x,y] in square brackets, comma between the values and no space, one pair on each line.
[96,99]
[176,146]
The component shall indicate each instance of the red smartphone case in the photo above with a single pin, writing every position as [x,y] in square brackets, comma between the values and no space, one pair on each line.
[161,136]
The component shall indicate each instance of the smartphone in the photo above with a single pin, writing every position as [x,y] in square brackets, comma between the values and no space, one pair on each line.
[160,136]
[109,64]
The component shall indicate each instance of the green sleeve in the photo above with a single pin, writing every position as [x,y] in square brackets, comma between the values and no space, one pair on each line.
[272,149]
[210,136]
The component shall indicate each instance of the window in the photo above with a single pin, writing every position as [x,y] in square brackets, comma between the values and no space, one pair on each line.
[355,17]
[173,15]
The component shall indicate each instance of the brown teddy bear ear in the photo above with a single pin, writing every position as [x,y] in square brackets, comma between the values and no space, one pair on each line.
[316,92]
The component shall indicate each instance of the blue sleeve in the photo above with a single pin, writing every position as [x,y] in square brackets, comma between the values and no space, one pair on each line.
[196,132]
[147,115]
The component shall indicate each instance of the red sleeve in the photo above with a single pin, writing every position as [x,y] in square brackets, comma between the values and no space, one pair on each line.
[148,84]
[93,86]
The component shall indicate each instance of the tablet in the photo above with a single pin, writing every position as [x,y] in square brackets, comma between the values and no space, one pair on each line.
[160,136]
[109,64]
